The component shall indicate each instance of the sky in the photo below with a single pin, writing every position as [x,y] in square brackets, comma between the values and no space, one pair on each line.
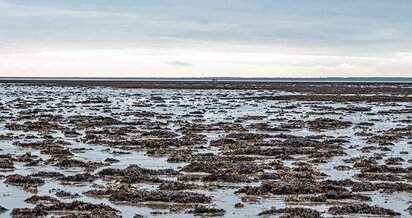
[204,38]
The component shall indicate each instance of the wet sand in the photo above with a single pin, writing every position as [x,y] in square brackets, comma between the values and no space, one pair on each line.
[184,149]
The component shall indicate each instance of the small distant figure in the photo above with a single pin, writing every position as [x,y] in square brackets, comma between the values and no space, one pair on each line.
[214,80]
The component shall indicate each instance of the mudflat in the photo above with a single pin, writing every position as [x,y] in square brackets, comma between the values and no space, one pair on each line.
[71,148]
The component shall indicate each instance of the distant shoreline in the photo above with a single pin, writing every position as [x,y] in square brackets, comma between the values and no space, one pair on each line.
[303,90]
[302,86]
[400,80]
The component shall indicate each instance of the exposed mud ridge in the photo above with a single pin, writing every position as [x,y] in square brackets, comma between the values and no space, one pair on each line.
[72,209]
[138,196]
[325,123]
[3,210]
[72,149]
[81,177]
[135,174]
[28,212]
[44,174]
[294,186]
[64,194]
[35,199]
[361,209]
[177,186]
[20,180]
[6,164]
[69,163]
[292,212]
[327,197]
[201,210]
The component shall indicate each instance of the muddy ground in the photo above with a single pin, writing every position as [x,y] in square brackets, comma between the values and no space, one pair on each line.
[185,149]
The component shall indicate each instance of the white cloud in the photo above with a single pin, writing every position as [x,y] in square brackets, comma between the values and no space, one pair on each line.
[147,62]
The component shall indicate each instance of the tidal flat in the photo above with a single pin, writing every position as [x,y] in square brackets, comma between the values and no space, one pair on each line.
[187,149]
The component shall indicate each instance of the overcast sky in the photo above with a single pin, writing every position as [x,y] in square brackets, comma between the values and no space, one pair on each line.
[176,38]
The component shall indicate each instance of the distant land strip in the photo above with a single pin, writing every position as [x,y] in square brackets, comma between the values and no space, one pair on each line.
[402,90]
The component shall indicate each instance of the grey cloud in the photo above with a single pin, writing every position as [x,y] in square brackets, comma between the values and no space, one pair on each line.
[179,63]
[367,25]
